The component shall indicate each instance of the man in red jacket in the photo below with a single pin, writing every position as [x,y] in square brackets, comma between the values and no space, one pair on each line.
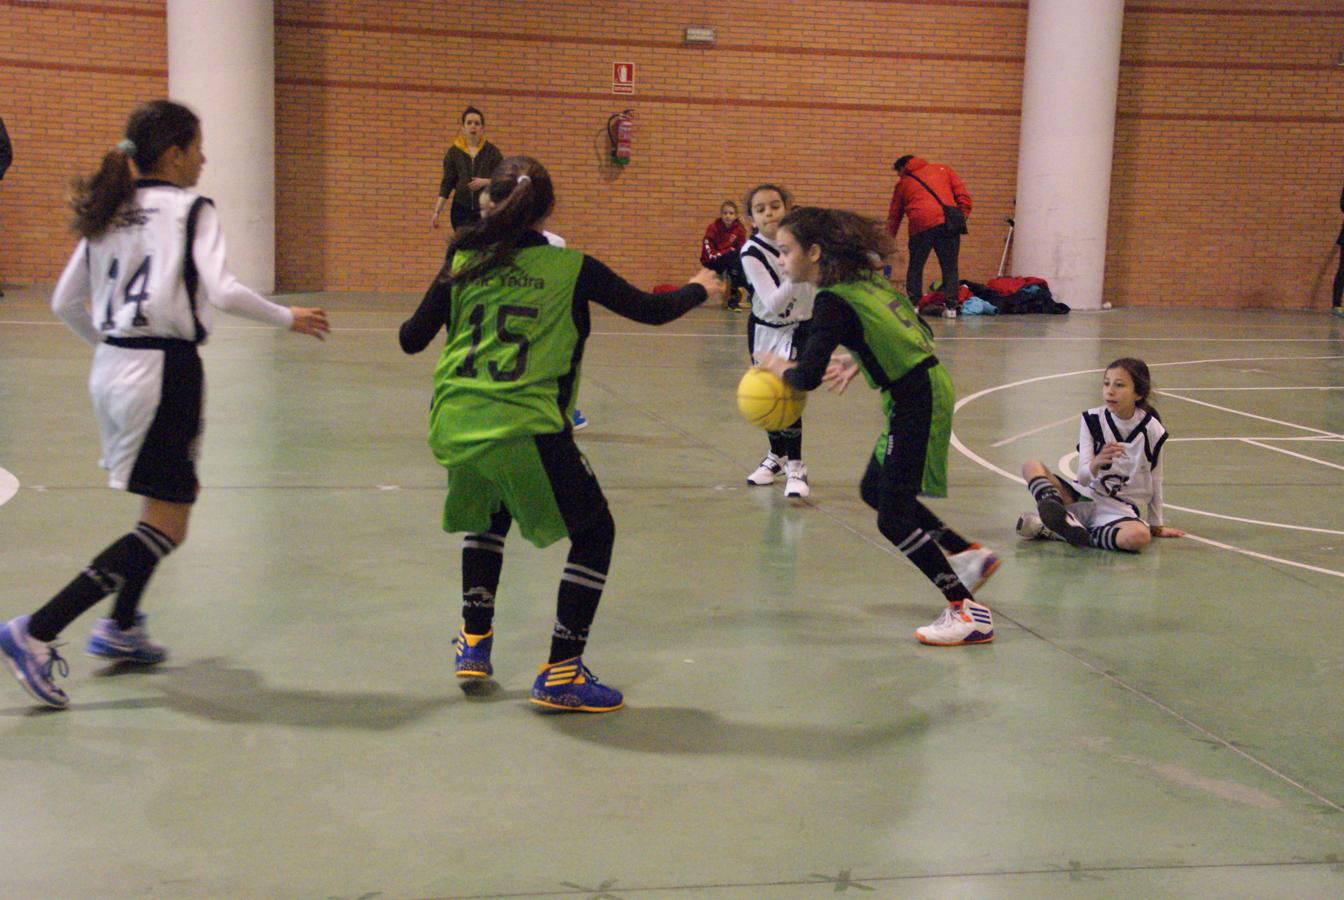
[922,191]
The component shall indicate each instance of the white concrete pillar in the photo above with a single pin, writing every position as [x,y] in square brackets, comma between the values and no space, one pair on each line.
[221,63]
[1064,153]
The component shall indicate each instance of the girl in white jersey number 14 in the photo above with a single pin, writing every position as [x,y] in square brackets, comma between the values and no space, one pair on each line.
[139,287]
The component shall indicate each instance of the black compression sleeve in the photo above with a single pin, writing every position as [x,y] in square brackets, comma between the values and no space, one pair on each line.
[599,284]
[833,324]
[428,318]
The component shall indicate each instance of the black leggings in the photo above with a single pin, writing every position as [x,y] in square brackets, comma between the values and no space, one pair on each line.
[730,265]
[1338,292]
[947,247]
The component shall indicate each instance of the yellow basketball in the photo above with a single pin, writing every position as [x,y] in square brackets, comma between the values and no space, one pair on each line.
[767,402]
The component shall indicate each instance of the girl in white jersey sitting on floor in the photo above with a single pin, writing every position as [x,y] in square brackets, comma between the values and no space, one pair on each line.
[139,287]
[780,311]
[1119,469]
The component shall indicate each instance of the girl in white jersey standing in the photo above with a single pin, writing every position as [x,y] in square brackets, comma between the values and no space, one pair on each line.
[139,288]
[1119,470]
[780,311]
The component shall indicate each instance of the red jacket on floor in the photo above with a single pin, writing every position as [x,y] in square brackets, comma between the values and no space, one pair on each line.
[909,198]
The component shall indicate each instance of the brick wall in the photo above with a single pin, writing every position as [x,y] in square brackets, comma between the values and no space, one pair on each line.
[820,96]
[69,74]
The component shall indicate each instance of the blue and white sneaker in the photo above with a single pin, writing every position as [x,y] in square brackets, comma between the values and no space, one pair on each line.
[970,623]
[133,645]
[580,420]
[569,686]
[472,659]
[32,662]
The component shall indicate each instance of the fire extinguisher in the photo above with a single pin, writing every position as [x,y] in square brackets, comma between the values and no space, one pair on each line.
[621,132]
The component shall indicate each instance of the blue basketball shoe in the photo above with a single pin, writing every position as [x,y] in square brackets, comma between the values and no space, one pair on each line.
[133,645]
[472,659]
[580,420]
[569,686]
[32,662]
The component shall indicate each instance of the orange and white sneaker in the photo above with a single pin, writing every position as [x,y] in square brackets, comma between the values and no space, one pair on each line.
[974,566]
[964,623]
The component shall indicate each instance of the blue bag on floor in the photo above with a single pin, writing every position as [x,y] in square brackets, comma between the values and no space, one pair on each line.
[974,306]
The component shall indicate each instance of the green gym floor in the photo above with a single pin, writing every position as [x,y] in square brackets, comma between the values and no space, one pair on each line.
[1161,725]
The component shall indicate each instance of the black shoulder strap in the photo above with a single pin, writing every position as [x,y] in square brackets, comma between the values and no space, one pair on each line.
[191,276]
[754,249]
[1094,426]
[927,188]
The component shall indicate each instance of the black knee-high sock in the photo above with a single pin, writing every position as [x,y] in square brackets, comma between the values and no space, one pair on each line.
[1043,489]
[896,521]
[130,559]
[1105,537]
[788,441]
[128,598]
[581,587]
[482,561]
[944,537]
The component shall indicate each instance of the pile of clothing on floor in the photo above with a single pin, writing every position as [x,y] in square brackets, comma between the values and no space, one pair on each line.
[1004,295]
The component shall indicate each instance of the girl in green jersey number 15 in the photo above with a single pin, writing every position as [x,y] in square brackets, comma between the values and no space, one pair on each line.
[516,312]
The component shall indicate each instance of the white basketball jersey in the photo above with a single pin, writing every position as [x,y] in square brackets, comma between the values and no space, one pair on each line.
[1134,477]
[767,279]
[142,279]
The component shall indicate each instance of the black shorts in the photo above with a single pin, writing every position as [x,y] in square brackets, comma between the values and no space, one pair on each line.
[148,395]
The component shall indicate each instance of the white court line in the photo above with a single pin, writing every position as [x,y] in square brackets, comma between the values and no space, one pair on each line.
[1286,452]
[984,463]
[1291,388]
[1266,557]
[1066,467]
[1309,438]
[980,460]
[1009,440]
[1238,412]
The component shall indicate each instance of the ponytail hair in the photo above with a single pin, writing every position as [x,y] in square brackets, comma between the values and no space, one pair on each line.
[1137,370]
[524,195]
[851,246]
[151,129]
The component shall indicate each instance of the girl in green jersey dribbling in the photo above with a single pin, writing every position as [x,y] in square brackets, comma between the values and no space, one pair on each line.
[516,312]
[855,307]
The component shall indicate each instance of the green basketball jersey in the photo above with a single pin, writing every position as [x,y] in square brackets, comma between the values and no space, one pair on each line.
[895,339]
[511,363]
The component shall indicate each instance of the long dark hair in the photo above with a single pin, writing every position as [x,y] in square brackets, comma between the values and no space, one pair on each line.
[1137,370]
[849,242]
[151,129]
[523,194]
